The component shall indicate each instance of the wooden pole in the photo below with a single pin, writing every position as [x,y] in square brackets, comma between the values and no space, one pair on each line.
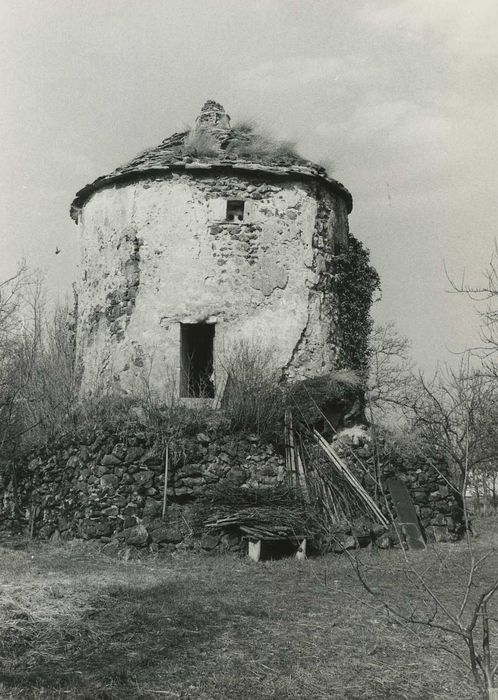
[301,552]
[288,454]
[166,460]
[343,469]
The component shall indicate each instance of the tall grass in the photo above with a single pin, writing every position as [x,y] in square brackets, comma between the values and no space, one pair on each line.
[247,142]
[200,142]
[253,400]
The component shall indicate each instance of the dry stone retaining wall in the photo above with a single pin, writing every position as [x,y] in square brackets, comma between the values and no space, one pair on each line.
[108,485]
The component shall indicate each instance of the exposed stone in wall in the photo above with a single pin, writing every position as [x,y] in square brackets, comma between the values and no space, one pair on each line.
[321,336]
[160,252]
[437,504]
[108,485]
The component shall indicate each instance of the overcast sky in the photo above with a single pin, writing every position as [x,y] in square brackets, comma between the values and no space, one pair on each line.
[399,97]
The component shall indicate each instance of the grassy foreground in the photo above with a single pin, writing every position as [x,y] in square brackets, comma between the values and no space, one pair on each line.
[75,623]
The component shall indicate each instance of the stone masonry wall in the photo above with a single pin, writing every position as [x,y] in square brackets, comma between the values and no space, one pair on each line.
[108,485]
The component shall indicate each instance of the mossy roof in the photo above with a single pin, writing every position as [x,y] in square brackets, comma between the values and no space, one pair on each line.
[232,153]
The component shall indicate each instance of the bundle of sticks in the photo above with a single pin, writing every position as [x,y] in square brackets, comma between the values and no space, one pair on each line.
[265,523]
[325,479]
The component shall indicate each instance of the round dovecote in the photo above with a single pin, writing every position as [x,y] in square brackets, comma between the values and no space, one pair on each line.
[217,237]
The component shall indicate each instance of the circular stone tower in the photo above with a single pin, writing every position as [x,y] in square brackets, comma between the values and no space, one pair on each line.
[214,237]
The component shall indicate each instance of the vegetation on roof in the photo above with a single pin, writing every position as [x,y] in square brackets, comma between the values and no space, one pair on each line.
[244,140]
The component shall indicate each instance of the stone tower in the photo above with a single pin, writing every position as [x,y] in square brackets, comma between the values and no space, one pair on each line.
[213,237]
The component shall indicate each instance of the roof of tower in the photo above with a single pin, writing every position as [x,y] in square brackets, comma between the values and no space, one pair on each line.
[213,144]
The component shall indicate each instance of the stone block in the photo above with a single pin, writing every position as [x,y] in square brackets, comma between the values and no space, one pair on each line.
[136,536]
[190,470]
[119,450]
[144,479]
[110,460]
[180,492]
[109,481]
[73,462]
[167,533]
[134,454]
[152,508]
[92,529]
[209,541]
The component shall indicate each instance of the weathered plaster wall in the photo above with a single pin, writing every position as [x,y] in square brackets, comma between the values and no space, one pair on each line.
[159,252]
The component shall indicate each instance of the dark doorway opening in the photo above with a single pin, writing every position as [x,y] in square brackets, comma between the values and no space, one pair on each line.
[196,356]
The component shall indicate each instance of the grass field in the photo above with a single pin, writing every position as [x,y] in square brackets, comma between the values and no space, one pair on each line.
[76,623]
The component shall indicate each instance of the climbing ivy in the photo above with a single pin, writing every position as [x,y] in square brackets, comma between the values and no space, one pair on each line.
[355,282]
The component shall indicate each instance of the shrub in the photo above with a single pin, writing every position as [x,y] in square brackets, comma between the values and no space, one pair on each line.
[253,401]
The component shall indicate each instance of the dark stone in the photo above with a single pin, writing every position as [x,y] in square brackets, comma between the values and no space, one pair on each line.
[109,481]
[119,450]
[190,470]
[230,540]
[63,524]
[91,529]
[74,462]
[133,454]
[136,535]
[144,478]
[111,549]
[166,533]
[152,508]
[419,495]
[46,531]
[209,541]
[156,468]
[180,492]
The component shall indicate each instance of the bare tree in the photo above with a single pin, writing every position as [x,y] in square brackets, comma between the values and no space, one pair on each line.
[468,622]
[390,372]
[485,293]
[37,377]
[455,414]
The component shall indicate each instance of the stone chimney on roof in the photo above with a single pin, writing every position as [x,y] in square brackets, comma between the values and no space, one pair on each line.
[212,116]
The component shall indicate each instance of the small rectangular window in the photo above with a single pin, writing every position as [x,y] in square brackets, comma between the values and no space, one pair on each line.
[235,210]
[196,359]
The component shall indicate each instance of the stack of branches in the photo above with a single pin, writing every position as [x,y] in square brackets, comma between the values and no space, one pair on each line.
[235,497]
[331,488]
[276,511]
[268,522]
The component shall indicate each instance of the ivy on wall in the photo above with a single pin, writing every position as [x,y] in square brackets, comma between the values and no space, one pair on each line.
[354,282]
